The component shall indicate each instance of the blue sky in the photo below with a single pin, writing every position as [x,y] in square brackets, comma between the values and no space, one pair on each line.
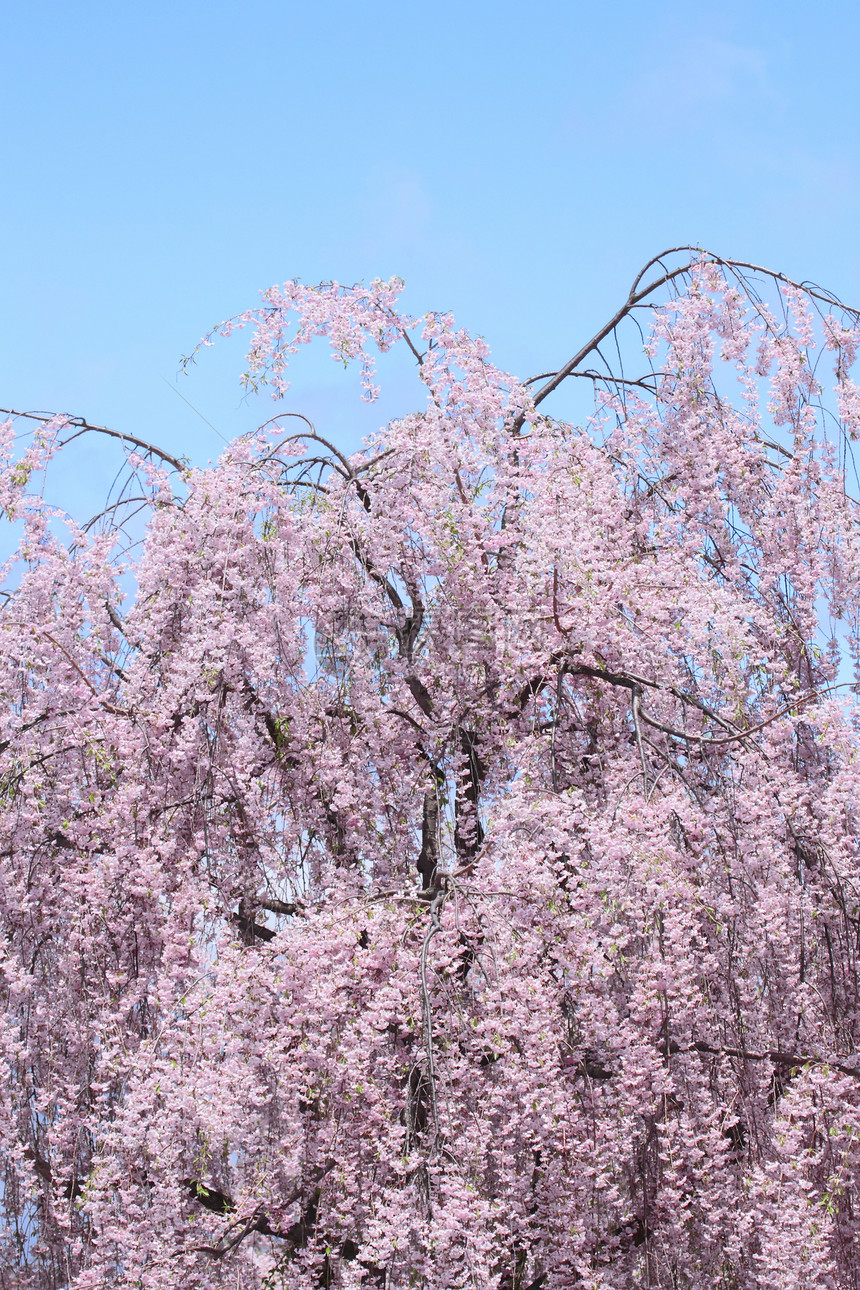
[515,163]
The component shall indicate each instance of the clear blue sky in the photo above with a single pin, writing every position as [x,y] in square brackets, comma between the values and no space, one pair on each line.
[513,162]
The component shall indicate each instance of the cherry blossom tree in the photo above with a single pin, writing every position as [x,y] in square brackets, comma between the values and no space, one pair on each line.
[438,866]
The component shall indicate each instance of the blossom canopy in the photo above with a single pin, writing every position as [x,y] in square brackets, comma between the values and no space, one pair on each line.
[442,869]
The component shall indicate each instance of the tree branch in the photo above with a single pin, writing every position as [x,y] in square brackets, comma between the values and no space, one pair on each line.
[638,294]
[85,426]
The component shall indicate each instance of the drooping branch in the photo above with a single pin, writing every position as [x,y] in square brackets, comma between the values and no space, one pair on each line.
[87,426]
[638,294]
[433,929]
